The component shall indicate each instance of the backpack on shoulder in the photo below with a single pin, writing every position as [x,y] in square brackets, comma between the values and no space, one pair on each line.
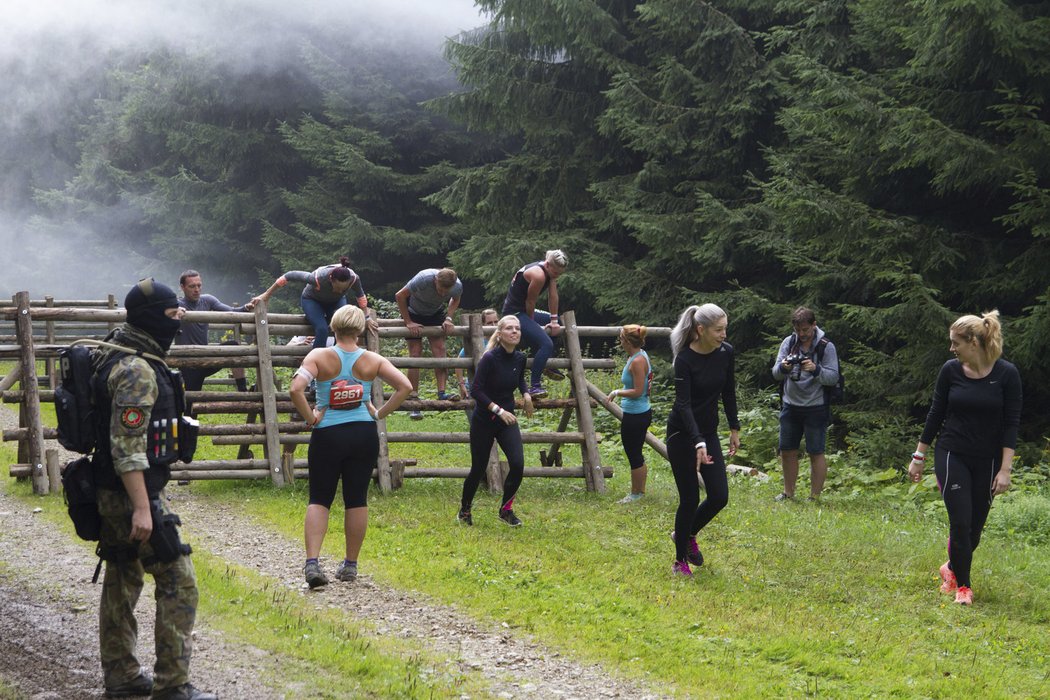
[74,408]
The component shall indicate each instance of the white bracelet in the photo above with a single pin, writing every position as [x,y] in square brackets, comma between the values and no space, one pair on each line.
[497,410]
[701,445]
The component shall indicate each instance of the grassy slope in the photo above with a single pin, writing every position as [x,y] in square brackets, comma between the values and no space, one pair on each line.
[837,599]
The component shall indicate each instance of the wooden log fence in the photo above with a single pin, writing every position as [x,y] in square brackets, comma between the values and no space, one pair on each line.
[40,327]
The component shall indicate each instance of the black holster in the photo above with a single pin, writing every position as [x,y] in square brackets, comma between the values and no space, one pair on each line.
[165,542]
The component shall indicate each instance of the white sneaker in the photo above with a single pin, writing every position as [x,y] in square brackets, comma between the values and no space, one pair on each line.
[631,498]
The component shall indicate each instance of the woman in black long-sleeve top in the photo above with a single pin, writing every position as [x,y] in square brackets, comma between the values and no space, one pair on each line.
[703,373]
[500,371]
[976,411]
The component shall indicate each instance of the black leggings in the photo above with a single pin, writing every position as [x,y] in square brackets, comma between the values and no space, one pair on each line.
[633,428]
[484,428]
[347,450]
[966,486]
[692,515]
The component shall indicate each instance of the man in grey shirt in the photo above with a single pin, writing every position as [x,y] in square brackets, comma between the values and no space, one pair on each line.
[807,364]
[423,304]
[197,333]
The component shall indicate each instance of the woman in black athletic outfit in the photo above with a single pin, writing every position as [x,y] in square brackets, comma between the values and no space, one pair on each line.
[500,371]
[975,414]
[703,372]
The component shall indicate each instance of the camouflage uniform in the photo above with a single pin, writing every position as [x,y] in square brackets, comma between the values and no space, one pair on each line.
[133,388]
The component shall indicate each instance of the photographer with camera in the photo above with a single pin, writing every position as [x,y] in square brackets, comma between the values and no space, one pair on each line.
[807,364]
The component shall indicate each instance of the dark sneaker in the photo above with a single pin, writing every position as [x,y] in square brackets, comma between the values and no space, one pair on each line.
[347,571]
[781,497]
[538,392]
[551,373]
[184,692]
[416,415]
[445,396]
[508,517]
[465,518]
[139,686]
[314,576]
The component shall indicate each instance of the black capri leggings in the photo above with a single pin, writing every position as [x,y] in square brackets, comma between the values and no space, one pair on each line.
[692,515]
[633,428]
[484,428]
[347,450]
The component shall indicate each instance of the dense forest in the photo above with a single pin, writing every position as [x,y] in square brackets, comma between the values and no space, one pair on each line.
[887,164]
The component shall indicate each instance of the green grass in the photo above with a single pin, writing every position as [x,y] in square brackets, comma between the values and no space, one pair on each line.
[838,599]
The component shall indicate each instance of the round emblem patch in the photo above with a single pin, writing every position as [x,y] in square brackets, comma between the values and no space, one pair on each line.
[132,418]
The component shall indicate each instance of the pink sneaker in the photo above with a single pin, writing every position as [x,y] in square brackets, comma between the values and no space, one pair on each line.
[681,568]
[964,596]
[692,552]
[948,582]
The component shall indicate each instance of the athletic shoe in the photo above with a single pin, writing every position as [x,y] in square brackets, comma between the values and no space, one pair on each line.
[538,392]
[948,582]
[631,498]
[964,596]
[681,568]
[551,373]
[465,518]
[445,396]
[139,686]
[507,516]
[347,571]
[416,415]
[314,576]
[781,497]
[692,551]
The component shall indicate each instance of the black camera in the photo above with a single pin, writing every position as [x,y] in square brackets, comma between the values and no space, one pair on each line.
[795,358]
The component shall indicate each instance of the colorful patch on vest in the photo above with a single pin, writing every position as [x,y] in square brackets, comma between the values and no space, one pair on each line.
[132,418]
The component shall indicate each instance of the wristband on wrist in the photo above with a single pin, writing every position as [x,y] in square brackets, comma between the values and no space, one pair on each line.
[701,445]
[497,410]
[918,457]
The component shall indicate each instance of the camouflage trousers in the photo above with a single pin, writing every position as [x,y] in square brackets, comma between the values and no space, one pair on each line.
[176,594]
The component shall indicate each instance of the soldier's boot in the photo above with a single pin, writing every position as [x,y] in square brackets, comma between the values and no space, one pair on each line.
[139,686]
[184,692]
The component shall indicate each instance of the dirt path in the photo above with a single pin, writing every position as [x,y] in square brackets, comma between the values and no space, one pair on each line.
[48,609]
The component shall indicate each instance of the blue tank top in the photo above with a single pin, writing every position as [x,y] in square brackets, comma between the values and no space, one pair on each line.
[639,404]
[345,396]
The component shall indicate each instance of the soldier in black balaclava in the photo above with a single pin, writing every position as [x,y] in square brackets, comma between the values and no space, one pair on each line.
[138,401]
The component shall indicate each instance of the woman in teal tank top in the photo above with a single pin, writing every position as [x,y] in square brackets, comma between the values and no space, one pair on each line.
[344,443]
[637,380]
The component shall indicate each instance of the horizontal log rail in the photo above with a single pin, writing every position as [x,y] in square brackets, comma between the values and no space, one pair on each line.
[529,437]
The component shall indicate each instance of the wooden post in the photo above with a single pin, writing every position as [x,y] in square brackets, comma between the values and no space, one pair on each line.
[54,476]
[111,303]
[49,363]
[589,450]
[553,457]
[386,481]
[269,392]
[31,389]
